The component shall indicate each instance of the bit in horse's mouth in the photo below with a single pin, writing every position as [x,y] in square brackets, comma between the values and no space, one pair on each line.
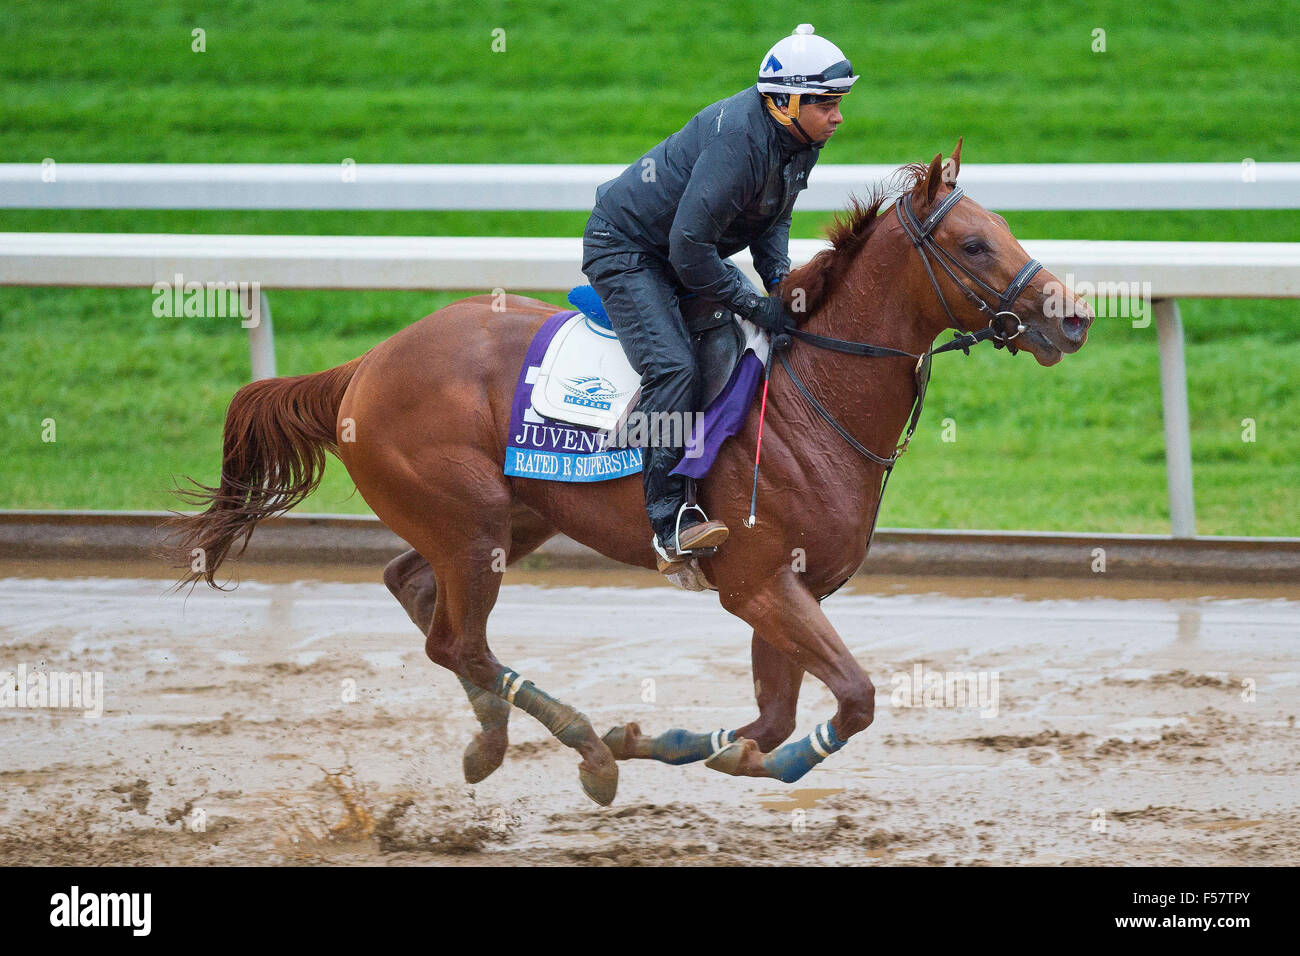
[1050,350]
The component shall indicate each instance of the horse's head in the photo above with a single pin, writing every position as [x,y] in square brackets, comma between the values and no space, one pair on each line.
[979,274]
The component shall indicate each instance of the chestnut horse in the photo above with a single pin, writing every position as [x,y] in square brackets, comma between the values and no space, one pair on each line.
[421,422]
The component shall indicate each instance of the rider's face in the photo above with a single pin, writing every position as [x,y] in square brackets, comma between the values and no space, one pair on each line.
[820,120]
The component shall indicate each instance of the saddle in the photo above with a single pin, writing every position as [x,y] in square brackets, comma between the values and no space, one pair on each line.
[585,378]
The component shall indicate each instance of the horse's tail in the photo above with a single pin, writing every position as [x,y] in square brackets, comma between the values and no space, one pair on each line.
[273,456]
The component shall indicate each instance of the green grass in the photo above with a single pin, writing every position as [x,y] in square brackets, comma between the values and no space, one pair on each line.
[137,399]
[599,80]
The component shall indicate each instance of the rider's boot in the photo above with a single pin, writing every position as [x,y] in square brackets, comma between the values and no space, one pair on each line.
[690,531]
[679,527]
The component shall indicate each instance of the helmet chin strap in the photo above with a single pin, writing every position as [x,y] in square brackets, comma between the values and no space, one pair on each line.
[802,132]
[790,117]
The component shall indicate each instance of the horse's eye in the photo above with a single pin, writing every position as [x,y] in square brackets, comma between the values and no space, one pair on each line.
[973,247]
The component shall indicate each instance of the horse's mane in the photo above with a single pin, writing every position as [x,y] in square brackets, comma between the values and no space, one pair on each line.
[849,232]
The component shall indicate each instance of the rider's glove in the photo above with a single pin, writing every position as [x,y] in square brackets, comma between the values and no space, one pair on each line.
[768,313]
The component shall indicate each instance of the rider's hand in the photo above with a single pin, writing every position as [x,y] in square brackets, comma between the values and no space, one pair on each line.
[770,313]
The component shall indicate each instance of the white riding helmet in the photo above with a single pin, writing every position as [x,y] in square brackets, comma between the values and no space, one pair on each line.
[804,63]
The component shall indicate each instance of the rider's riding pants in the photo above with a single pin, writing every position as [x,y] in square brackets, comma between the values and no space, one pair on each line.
[640,293]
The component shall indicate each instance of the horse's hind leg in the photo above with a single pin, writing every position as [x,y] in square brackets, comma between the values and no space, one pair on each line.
[411,580]
[777,679]
[465,552]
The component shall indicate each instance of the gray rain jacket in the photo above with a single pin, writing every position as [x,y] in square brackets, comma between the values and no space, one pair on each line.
[726,180]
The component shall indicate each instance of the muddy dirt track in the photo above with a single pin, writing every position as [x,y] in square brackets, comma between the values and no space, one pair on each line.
[1128,726]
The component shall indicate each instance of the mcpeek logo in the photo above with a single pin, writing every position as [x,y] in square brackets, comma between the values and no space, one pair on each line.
[591,391]
[102,909]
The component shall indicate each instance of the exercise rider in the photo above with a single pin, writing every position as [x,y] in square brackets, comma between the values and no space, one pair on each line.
[664,228]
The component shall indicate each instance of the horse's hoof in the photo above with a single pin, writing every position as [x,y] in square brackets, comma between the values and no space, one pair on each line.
[620,740]
[600,785]
[481,759]
[741,758]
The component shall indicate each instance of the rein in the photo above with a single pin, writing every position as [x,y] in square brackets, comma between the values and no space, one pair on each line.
[921,234]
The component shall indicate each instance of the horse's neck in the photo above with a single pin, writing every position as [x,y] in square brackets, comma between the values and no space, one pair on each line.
[871,397]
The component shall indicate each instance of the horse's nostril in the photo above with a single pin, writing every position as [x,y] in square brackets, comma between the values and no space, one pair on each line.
[1074,327]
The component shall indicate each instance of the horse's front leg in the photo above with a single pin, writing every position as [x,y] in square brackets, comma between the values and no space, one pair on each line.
[791,618]
[776,688]
[777,679]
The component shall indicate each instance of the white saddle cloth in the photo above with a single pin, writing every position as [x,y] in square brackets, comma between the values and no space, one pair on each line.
[586,379]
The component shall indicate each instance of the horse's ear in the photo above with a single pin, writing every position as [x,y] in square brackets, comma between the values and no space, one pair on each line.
[933,178]
[953,165]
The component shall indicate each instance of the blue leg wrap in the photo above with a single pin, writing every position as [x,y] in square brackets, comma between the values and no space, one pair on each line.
[569,726]
[792,761]
[681,746]
[490,710]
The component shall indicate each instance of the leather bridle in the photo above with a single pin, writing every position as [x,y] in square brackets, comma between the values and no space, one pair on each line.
[921,234]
